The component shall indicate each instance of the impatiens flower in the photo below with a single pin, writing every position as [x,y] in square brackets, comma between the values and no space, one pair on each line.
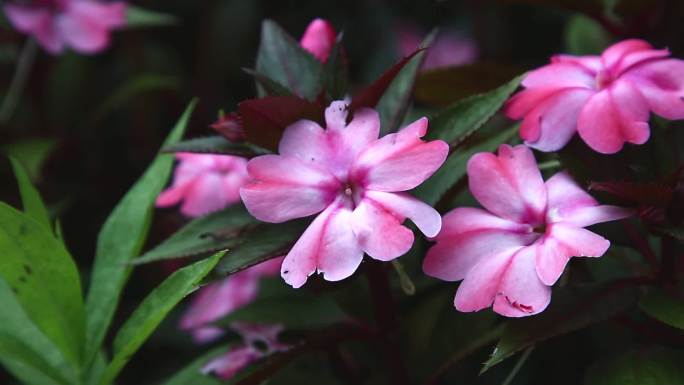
[223,297]
[259,341]
[205,183]
[319,39]
[355,181]
[606,99]
[449,48]
[510,253]
[82,25]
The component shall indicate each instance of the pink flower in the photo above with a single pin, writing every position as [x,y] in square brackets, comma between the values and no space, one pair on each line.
[355,181]
[259,341]
[449,48]
[319,39]
[606,99]
[205,183]
[512,252]
[83,25]
[223,297]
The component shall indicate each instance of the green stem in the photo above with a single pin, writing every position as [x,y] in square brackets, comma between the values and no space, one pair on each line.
[16,87]
[407,285]
[518,365]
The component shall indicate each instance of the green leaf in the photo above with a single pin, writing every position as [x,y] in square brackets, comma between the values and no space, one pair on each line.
[120,240]
[192,375]
[281,59]
[139,17]
[270,86]
[651,366]
[44,278]
[264,242]
[24,349]
[432,190]
[210,233]
[293,312]
[571,309]
[443,87]
[152,312]
[216,145]
[336,71]
[394,103]
[663,307]
[584,36]
[30,197]
[458,122]
[31,153]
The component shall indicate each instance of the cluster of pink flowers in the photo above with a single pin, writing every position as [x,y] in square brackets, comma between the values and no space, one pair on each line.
[606,99]
[82,25]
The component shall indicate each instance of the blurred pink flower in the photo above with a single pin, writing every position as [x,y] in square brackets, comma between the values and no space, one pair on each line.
[259,341]
[319,39]
[356,180]
[83,25]
[205,183]
[223,297]
[449,48]
[606,99]
[510,253]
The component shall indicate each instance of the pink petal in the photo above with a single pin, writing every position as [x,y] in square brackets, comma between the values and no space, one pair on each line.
[231,184]
[509,185]
[336,115]
[551,125]
[82,34]
[401,161]
[560,244]
[319,39]
[526,100]
[521,293]
[423,215]
[37,22]
[614,116]
[614,54]
[109,15]
[268,268]
[379,233]
[228,365]
[569,204]
[328,245]
[172,196]
[218,300]
[662,84]
[481,285]
[284,188]
[559,75]
[592,64]
[471,235]
[306,141]
[203,196]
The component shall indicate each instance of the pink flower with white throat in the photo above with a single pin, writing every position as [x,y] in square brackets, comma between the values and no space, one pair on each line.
[356,182]
[510,253]
[606,99]
[205,183]
[82,25]
[319,39]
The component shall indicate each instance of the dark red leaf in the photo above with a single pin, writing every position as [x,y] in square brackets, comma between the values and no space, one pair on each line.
[265,119]
[369,96]
[641,194]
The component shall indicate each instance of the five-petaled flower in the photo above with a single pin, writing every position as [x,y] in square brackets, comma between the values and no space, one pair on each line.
[83,25]
[205,183]
[356,181]
[606,99]
[511,253]
[319,39]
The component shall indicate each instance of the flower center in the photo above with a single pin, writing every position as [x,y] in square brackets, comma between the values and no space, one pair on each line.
[352,192]
[541,229]
[603,79]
